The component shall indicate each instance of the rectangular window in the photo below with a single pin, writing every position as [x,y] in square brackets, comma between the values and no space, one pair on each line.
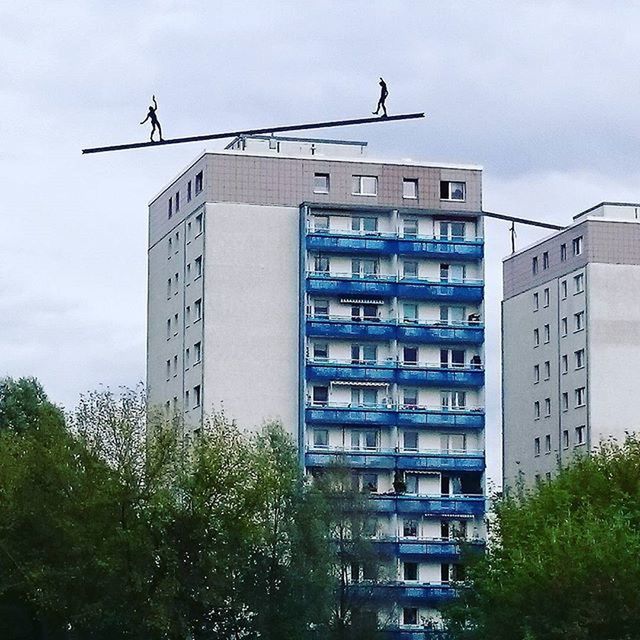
[578,319]
[536,301]
[547,443]
[565,401]
[545,260]
[168,288]
[411,480]
[170,249]
[370,440]
[410,355]
[410,269]
[198,182]
[565,439]
[563,289]
[410,528]
[580,396]
[197,352]
[536,373]
[410,398]
[534,265]
[455,400]
[546,297]
[187,316]
[410,615]
[564,327]
[578,283]
[320,395]
[168,328]
[197,310]
[452,190]
[175,324]
[563,252]
[547,369]
[410,188]
[196,396]
[321,264]
[199,224]
[536,410]
[547,407]
[410,571]
[452,272]
[198,267]
[410,312]
[364,267]
[170,209]
[454,358]
[320,351]
[168,369]
[564,363]
[187,406]
[410,227]
[581,434]
[321,438]
[175,366]
[364,397]
[410,440]
[364,224]
[177,201]
[187,358]
[370,482]
[577,246]
[321,223]
[536,446]
[320,308]
[453,442]
[547,334]
[448,230]
[579,356]
[364,186]
[188,278]
[189,191]
[536,337]
[321,183]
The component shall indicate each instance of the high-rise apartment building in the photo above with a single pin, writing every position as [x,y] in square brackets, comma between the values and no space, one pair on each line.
[295,279]
[571,342]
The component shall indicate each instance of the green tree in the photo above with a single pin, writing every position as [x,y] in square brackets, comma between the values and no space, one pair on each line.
[563,561]
[24,404]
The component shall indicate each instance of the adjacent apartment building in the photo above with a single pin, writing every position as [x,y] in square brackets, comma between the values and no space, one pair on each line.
[571,342]
[295,279]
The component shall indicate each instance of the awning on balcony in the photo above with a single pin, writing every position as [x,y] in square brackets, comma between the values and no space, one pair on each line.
[456,516]
[361,301]
[356,383]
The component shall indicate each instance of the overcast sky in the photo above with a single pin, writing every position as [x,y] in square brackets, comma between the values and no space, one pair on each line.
[544,95]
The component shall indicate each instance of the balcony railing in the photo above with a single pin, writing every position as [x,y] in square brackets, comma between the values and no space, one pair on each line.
[416,331]
[398,371]
[424,592]
[427,460]
[393,414]
[390,285]
[451,506]
[372,242]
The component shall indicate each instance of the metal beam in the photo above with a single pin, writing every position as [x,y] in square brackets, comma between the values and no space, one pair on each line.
[531,223]
[249,132]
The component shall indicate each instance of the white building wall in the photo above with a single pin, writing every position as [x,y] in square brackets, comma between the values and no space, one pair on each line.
[251,313]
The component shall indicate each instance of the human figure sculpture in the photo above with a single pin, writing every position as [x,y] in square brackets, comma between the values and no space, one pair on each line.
[151,115]
[384,92]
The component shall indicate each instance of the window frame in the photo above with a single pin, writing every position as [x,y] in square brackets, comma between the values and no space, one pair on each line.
[358,182]
[327,182]
[414,184]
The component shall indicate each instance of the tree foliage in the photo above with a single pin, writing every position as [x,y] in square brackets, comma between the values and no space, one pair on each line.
[114,525]
[563,564]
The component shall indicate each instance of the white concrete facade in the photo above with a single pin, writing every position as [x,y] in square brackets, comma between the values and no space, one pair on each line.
[570,342]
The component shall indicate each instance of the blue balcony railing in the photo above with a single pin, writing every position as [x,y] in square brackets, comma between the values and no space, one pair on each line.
[405,592]
[345,242]
[408,632]
[390,371]
[424,332]
[393,415]
[387,286]
[429,505]
[436,549]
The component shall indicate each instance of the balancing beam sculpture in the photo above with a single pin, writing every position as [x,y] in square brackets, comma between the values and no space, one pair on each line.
[249,132]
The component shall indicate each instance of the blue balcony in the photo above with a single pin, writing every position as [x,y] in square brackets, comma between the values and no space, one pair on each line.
[391,459]
[411,633]
[331,371]
[468,291]
[441,334]
[419,548]
[424,593]
[345,284]
[391,415]
[441,249]
[429,505]
[425,375]
[331,242]
[345,327]
[470,419]
[377,415]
